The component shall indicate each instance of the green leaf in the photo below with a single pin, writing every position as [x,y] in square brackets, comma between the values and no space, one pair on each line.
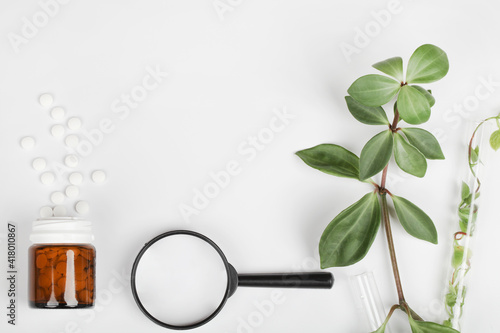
[427,64]
[474,155]
[465,191]
[414,220]
[331,159]
[408,158]
[375,154]
[370,115]
[425,142]
[392,67]
[451,297]
[349,236]
[464,213]
[413,107]
[374,89]
[458,256]
[429,327]
[495,140]
[427,94]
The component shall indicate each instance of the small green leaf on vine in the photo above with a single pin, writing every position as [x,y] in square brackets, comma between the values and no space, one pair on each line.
[465,191]
[495,140]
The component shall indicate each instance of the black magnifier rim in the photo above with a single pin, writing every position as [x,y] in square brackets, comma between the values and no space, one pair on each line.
[138,259]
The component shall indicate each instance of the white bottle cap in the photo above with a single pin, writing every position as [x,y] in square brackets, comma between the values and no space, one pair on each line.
[62,230]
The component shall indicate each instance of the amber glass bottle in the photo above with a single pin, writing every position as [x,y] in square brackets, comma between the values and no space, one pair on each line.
[62,264]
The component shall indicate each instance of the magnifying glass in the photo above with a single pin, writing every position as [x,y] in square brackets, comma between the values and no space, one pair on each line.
[181,280]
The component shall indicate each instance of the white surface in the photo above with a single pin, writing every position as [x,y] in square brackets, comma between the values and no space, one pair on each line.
[225,78]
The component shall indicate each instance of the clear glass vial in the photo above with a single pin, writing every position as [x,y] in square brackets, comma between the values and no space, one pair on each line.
[62,264]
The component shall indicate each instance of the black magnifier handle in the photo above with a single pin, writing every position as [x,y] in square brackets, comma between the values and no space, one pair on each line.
[315,280]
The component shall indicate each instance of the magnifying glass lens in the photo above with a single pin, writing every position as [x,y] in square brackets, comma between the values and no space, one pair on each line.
[181,279]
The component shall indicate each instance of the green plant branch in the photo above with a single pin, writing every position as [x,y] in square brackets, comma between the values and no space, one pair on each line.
[390,243]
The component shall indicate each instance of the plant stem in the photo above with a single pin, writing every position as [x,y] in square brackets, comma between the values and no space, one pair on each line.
[390,242]
[387,222]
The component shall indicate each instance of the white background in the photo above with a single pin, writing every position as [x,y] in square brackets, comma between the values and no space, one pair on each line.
[227,73]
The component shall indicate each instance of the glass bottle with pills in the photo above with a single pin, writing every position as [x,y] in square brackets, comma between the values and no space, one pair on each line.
[62,264]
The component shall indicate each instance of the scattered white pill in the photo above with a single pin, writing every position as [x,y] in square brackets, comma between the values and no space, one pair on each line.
[46,211]
[27,142]
[98,176]
[46,100]
[57,113]
[72,191]
[74,123]
[72,140]
[57,131]
[76,178]
[59,211]
[82,207]
[71,161]
[47,178]
[57,198]
[39,164]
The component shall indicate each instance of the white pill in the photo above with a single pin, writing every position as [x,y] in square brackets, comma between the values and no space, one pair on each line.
[57,198]
[76,178]
[57,113]
[74,123]
[72,191]
[98,176]
[82,207]
[47,178]
[72,140]
[46,211]
[57,131]
[46,100]
[39,164]
[71,161]
[59,211]
[27,142]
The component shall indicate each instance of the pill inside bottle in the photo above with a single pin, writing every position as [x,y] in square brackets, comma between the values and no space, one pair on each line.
[62,265]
